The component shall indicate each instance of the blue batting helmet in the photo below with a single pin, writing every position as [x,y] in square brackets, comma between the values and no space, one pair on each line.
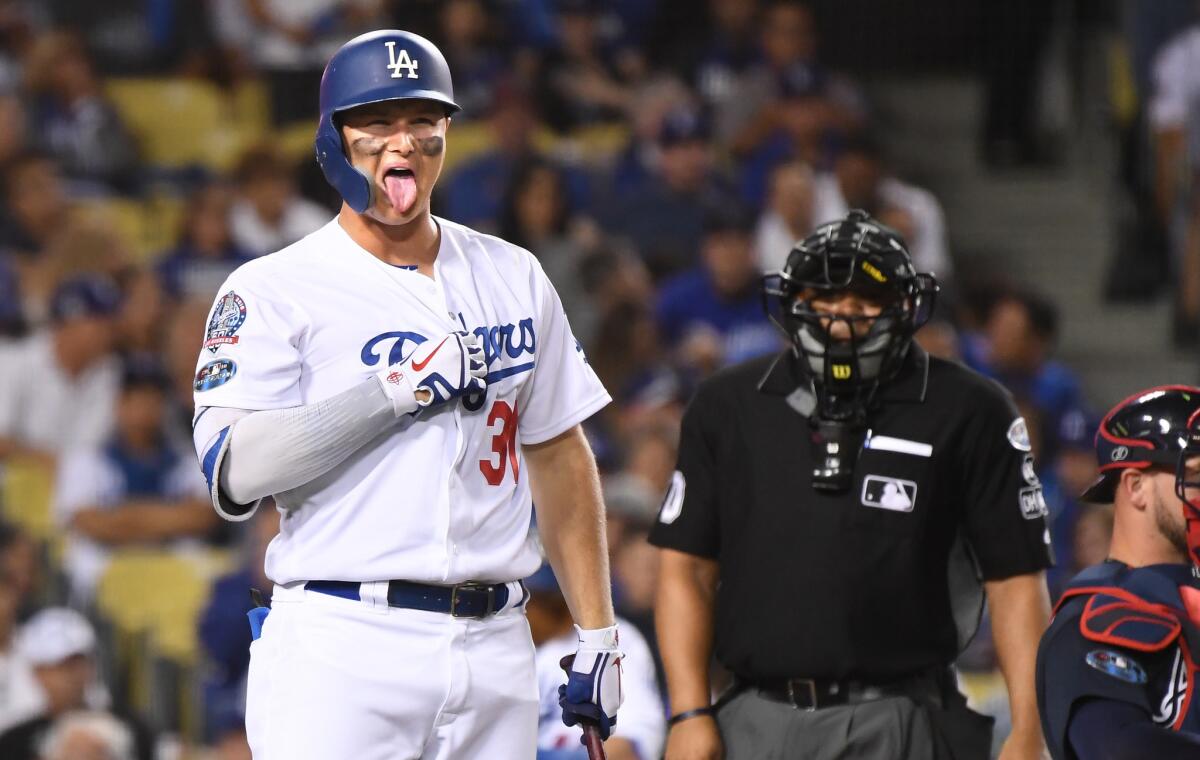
[385,65]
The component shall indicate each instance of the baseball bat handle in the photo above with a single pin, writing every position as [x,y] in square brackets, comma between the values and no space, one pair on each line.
[593,742]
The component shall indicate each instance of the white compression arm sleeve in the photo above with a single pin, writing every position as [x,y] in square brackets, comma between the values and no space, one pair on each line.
[272,451]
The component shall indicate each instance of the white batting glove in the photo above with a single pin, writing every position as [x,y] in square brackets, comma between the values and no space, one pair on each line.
[593,688]
[443,369]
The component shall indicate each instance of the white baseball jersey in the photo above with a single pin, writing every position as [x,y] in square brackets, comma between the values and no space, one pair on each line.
[445,498]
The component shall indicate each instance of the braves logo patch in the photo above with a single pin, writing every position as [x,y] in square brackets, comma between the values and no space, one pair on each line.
[1119,666]
[214,374]
[227,318]
[1176,694]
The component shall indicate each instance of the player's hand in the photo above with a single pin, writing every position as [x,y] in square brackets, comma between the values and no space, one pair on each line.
[593,688]
[437,371]
[695,739]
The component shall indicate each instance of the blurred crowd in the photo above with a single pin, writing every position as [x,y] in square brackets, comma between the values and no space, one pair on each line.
[656,156]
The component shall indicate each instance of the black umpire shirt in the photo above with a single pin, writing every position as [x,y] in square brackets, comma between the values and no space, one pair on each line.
[854,585]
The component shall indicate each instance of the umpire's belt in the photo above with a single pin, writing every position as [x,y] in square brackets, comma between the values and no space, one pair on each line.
[467,600]
[817,693]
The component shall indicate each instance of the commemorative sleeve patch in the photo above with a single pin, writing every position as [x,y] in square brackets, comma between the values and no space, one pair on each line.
[227,318]
[1018,435]
[214,374]
[1118,665]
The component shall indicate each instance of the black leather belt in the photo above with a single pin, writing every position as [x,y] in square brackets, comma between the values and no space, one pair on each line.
[818,693]
[469,600]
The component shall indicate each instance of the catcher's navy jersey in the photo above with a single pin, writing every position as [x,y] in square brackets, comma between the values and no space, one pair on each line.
[1121,634]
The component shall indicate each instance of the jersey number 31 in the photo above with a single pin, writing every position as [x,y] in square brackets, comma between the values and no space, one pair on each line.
[504,444]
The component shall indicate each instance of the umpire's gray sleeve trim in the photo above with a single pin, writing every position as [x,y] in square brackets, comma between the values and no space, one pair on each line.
[280,449]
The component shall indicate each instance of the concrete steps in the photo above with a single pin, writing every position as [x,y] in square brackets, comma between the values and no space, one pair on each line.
[1048,229]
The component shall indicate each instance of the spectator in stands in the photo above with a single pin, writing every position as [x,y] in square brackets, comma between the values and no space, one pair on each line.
[1020,333]
[58,386]
[290,41]
[35,204]
[181,344]
[1175,125]
[581,81]
[466,39]
[20,696]
[137,488]
[717,61]
[651,447]
[225,636]
[861,179]
[788,217]
[140,321]
[205,253]
[88,735]
[60,646]
[14,128]
[629,360]
[641,729]
[136,38]
[536,216]
[637,161]
[20,22]
[1092,536]
[788,65]
[801,127]
[475,190]
[712,315]
[71,118]
[664,219]
[269,214]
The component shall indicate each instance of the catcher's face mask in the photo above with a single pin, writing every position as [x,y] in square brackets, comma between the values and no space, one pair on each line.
[1187,488]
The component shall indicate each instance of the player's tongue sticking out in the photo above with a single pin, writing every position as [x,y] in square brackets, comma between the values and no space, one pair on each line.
[401,189]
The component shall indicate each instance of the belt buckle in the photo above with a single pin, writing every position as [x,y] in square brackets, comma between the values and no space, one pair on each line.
[810,685]
[491,599]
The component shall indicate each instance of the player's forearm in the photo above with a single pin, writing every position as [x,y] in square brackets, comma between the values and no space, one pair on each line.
[683,614]
[1020,610]
[570,517]
[139,522]
[281,449]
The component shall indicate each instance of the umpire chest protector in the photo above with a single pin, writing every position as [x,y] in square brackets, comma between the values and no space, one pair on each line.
[1124,634]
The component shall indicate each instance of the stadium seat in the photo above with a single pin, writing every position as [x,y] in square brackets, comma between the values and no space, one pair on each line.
[159,593]
[27,488]
[183,123]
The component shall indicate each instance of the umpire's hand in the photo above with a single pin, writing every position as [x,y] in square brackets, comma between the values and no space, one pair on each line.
[695,739]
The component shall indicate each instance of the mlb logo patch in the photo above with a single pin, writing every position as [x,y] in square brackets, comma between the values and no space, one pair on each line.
[893,494]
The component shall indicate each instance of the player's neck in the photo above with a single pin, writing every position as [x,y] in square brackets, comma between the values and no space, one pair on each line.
[415,243]
[1142,545]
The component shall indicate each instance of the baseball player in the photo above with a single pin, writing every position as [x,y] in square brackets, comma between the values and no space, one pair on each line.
[404,387]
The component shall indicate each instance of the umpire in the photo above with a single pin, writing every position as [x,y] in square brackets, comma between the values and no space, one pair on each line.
[833,513]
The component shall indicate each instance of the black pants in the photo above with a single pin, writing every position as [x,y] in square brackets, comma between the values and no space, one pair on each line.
[895,728]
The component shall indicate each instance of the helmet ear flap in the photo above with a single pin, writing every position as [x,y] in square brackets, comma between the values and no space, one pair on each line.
[925,290]
[351,184]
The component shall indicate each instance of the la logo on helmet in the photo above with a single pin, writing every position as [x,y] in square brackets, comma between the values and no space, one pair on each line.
[402,62]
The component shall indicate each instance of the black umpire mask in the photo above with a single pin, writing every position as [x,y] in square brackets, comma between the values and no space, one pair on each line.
[846,357]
